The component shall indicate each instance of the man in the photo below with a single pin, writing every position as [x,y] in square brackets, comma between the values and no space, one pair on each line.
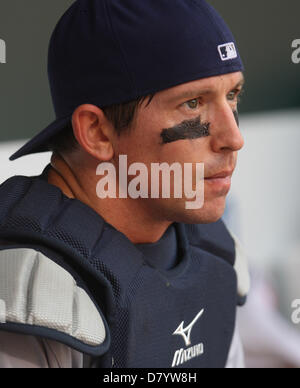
[92,280]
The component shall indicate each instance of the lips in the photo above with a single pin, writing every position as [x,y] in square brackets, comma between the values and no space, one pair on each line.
[221,175]
[220,183]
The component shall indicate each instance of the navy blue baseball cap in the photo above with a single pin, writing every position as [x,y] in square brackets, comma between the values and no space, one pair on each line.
[105,52]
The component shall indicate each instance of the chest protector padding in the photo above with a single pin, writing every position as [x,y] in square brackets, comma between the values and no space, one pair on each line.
[183,317]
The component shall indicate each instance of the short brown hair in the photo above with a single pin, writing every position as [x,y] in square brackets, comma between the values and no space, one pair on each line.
[120,115]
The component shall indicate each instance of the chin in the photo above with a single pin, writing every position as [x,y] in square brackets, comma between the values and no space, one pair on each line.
[202,218]
[211,212]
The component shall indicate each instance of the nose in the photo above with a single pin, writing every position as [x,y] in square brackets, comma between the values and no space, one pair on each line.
[225,131]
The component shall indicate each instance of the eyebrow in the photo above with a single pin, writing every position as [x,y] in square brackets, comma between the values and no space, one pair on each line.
[193,93]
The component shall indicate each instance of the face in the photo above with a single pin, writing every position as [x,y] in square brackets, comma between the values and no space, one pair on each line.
[191,123]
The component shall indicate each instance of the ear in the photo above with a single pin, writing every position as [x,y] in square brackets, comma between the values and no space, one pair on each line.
[94,132]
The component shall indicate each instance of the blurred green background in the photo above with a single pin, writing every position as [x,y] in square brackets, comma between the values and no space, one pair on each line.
[264,31]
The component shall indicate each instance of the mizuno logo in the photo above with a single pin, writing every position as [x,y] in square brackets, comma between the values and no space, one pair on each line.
[186,332]
[182,356]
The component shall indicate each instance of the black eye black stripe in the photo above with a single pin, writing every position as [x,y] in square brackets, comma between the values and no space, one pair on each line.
[188,129]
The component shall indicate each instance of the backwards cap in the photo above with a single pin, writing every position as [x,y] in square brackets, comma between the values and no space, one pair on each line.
[105,52]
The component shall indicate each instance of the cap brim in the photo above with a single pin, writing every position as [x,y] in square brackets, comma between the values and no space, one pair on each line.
[40,142]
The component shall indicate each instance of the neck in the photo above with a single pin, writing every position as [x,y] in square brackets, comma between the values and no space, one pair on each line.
[128,216]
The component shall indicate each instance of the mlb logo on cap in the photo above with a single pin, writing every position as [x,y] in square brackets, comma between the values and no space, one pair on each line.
[227,51]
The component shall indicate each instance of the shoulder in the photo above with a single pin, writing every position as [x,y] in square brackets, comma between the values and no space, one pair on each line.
[38,297]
